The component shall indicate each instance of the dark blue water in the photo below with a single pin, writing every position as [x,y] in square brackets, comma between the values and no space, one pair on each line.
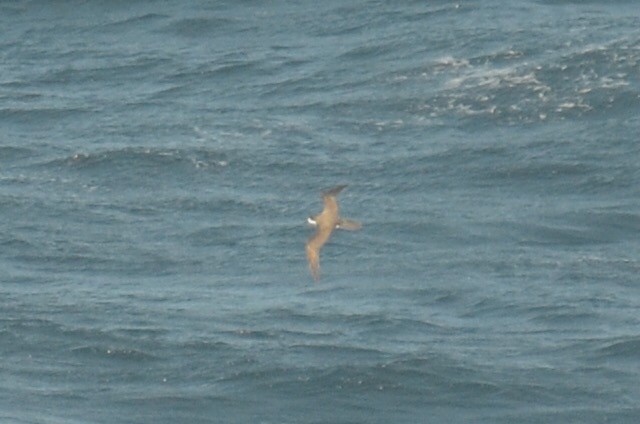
[158,161]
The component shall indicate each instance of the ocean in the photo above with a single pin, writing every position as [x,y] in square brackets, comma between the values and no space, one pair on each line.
[158,162]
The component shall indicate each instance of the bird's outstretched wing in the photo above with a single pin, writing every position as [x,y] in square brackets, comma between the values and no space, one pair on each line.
[313,256]
[314,244]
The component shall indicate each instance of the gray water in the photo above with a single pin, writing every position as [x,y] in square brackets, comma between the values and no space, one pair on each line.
[158,161]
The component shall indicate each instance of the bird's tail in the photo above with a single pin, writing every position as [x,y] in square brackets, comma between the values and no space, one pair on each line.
[348,224]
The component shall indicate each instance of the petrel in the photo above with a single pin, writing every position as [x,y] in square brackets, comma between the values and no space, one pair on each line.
[325,222]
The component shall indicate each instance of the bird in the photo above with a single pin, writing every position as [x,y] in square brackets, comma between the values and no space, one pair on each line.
[325,222]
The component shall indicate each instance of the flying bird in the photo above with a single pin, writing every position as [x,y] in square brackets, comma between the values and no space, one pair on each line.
[325,222]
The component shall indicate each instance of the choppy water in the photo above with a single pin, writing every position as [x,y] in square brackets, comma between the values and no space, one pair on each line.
[158,162]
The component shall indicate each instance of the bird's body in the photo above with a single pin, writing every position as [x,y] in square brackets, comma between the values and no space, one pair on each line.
[326,221]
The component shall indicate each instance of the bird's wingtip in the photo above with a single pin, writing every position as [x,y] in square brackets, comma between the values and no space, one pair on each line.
[334,190]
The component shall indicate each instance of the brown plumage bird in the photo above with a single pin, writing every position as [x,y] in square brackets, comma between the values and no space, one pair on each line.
[326,221]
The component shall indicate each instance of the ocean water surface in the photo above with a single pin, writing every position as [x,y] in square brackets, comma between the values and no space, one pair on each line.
[158,162]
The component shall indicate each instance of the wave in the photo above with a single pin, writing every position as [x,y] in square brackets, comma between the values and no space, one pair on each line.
[622,348]
[10,154]
[203,27]
[117,353]
[132,159]
[134,22]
